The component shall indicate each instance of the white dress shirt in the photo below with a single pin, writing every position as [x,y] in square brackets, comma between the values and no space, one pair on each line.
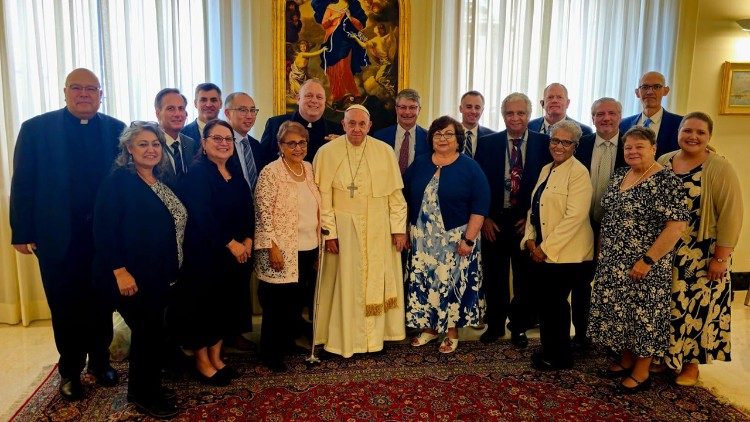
[655,121]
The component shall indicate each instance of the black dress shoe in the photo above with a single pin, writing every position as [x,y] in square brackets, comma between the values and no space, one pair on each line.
[277,366]
[217,380]
[539,362]
[160,409]
[71,389]
[491,335]
[166,394]
[639,386]
[107,378]
[613,373]
[519,340]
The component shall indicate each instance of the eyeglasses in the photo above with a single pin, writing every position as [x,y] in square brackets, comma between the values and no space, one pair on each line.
[446,135]
[244,111]
[565,143]
[410,108]
[218,139]
[89,89]
[294,145]
[646,88]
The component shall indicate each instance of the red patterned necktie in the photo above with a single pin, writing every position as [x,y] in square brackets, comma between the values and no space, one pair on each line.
[516,171]
[403,153]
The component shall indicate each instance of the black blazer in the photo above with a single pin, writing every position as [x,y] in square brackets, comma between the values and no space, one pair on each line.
[189,148]
[666,139]
[585,151]
[490,155]
[133,229]
[535,125]
[40,192]
[320,129]
[192,131]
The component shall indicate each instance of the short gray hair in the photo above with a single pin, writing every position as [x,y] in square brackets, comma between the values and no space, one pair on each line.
[516,96]
[568,126]
[602,100]
[408,94]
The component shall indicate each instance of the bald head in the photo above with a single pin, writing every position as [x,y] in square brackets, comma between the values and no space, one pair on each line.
[652,87]
[83,93]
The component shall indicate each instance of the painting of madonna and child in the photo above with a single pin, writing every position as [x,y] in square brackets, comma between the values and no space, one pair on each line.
[352,46]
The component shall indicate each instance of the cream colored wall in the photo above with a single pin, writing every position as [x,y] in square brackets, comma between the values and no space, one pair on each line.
[709,36]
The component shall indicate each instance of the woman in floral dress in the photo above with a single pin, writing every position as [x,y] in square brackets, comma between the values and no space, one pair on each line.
[448,197]
[701,289]
[644,215]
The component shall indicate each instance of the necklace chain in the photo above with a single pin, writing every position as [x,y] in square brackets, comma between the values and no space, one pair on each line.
[354,174]
[148,182]
[640,178]
[302,173]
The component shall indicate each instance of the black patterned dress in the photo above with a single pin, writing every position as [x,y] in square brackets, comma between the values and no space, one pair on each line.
[628,314]
[701,312]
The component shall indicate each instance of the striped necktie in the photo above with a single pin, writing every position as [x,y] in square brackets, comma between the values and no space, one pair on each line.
[469,145]
[252,171]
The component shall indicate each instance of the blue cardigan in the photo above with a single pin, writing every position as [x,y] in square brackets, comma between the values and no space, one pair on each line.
[462,190]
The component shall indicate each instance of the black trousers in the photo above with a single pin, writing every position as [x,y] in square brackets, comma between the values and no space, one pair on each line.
[146,321]
[553,285]
[282,309]
[580,296]
[497,260]
[81,322]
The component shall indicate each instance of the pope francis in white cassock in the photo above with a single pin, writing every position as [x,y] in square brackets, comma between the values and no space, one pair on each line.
[361,289]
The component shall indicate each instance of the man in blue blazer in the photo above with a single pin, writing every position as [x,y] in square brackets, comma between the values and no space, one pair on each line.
[601,152]
[311,102]
[170,106]
[208,103]
[406,128]
[555,104]
[471,108]
[504,226]
[61,157]
[652,87]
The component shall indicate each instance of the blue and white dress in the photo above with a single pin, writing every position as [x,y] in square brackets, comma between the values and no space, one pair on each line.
[444,289]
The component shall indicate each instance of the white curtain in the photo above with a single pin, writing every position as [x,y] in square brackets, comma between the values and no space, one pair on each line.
[595,48]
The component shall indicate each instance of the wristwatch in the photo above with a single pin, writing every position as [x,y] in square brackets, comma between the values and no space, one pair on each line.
[468,242]
[648,260]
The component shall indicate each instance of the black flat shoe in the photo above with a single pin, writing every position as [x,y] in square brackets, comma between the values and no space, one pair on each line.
[107,378]
[613,373]
[159,409]
[519,340]
[71,389]
[639,386]
[229,372]
[217,380]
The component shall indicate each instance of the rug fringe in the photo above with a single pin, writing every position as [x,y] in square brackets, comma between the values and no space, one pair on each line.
[38,383]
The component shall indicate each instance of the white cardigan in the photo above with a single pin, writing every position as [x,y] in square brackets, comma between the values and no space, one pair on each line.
[567,236]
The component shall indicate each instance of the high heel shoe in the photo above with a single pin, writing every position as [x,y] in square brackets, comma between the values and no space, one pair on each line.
[217,380]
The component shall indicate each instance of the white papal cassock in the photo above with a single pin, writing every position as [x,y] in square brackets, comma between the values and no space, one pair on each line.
[361,292]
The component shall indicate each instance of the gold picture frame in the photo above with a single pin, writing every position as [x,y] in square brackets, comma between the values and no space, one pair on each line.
[366,60]
[735,88]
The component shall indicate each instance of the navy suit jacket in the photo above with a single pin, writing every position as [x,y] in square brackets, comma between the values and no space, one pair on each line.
[40,192]
[666,139]
[585,151]
[189,148]
[257,157]
[192,131]
[484,131]
[269,144]
[490,155]
[388,135]
[536,125]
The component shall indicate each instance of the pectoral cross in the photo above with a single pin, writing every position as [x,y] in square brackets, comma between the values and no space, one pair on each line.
[351,188]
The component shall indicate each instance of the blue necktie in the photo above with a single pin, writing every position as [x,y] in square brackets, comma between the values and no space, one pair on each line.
[647,122]
[252,172]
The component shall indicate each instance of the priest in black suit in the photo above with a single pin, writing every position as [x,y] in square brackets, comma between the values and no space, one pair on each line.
[312,105]
[511,160]
[61,158]
[601,152]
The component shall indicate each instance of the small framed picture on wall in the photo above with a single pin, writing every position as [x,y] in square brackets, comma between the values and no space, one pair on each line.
[735,88]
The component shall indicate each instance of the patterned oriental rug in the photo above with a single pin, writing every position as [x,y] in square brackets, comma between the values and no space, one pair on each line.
[477,383]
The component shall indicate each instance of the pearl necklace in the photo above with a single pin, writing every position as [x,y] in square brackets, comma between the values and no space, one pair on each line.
[302,173]
[640,178]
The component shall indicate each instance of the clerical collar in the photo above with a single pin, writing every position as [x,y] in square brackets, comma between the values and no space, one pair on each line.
[298,117]
[74,119]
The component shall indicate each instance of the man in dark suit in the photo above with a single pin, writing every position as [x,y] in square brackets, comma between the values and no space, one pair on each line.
[60,159]
[555,104]
[240,112]
[407,139]
[171,114]
[512,161]
[208,103]
[601,152]
[652,87]
[471,108]
[311,106]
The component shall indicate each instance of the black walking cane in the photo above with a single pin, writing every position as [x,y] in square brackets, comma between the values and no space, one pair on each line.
[312,359]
